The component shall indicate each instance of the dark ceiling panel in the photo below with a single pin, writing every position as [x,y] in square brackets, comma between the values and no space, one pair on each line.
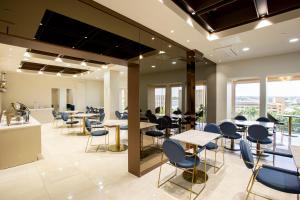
[219,15]
[50,68]
[61,30]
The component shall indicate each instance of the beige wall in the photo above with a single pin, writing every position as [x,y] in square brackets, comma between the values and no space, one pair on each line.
[260,68]
[33,89]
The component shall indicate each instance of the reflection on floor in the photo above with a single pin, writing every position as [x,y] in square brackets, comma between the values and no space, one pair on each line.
[67,172]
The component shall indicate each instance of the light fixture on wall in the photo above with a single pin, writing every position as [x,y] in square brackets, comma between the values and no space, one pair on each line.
[141,57]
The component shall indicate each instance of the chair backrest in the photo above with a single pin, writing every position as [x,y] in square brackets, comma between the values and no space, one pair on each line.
[228,128]
[101,117]
[246,154]
[152,118]
[168,119]
[65,116]
[162,123]
[101,110]
[257,132]
[173,150]
[125,115]
[177,112]
[157,110]
[88,125]
[240,117]
[148,112]
[118,114]
[212,128]
[263,119]
[272,118]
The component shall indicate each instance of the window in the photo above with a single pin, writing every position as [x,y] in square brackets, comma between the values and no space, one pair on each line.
[160,97]
[283,97]
[200,97]
[176,98]
[246,99]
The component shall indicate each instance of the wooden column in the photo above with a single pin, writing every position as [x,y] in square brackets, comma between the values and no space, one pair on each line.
[190,83]
[133,119]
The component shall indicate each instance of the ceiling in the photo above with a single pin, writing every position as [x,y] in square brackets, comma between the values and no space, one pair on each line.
[219,15]
[61,30]
[12,58]
[174,23]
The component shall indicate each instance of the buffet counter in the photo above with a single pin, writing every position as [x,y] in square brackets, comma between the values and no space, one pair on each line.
[19,143]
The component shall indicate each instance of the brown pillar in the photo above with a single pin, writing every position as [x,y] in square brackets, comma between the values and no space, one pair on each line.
[190,84]
[133,119]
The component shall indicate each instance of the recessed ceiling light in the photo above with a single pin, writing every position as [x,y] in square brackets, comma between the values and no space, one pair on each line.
[58,59]
[73,47]
[117,46]
[85,37]
[161,1]
[27,54]
[293,40]
[263,23]
[41,24]
[246,49]
[74,75]
[174,62]
[193,13]
[153,66]
[187,40]
[141,57]
[169,46]
[19,70]
[153,38]
[104,66]
[172,31]
[58,74]
[161,52]
[83,63]
[40,72]
[212,37]
[190,22]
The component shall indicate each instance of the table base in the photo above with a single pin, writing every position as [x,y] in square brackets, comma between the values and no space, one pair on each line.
[117,148]
[200,176]
[232,148]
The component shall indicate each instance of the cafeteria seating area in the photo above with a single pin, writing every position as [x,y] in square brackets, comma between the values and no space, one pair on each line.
[154,100]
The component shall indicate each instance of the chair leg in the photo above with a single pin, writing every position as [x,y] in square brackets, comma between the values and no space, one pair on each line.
[87,144]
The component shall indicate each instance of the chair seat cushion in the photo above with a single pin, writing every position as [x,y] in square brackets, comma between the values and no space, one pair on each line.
[188,162]
[279,180]
[234,136]
[99,132]
[211,145]
[72,122]
[264,141]
[154,133]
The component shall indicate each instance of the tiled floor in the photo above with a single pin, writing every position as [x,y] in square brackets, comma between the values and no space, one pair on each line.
[67,172]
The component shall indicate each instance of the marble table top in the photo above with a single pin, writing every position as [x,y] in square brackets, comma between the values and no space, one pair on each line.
[195,137]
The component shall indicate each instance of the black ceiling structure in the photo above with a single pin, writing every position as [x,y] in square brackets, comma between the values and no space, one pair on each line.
[61,30]
[219,15]
[50,68]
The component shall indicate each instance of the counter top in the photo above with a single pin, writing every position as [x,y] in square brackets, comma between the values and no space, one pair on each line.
[17,125]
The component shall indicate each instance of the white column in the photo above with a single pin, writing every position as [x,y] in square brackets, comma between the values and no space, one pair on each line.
[263,96]
[111,93]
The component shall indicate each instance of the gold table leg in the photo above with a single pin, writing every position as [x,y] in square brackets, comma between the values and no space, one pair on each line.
[195,175]
[118,147]
[290,127]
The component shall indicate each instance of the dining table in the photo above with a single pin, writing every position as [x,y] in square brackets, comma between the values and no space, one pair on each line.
[290,123]
[83,116]
[196,138]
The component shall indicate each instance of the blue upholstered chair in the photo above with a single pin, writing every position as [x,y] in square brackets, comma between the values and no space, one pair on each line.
[258,134]
[118,115]
[265,119]
[240,128]
[273,177]
[65,118]
[213,146]
[98,123]
[95,133]
[159,132]
[179,159]
[229,131]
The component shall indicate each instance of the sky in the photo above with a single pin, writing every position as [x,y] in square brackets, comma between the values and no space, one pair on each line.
[278,88]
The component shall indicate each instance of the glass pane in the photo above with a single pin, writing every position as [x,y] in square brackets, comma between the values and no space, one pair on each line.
[284,98]
[176,98]
[160,97]
[247,100]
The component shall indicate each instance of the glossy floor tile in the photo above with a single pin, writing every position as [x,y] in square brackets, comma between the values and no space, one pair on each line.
[67,172]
